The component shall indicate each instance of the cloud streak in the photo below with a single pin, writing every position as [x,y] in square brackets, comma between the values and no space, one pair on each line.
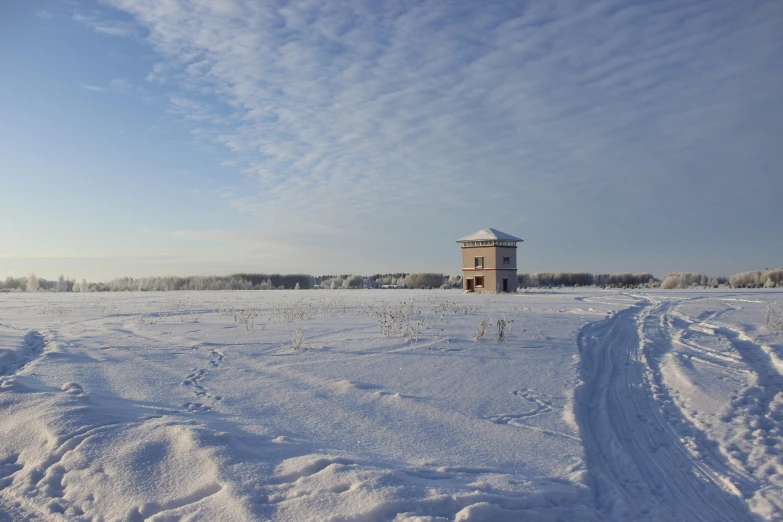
[93,88]
[119,28]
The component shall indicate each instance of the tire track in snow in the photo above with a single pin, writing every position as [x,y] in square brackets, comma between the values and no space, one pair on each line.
[661,334]
[639,468]
[748,452]
[759,357]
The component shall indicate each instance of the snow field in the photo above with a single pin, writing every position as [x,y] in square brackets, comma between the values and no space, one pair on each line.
[383,405]
[195,405]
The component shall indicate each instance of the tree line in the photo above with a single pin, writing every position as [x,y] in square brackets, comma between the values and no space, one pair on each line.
[242,281]
[259,281]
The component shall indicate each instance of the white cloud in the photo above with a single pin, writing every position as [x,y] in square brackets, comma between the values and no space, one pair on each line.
[368,116]
[93,88]
[119,86]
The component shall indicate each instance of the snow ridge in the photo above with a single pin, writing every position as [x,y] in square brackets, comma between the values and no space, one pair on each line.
[13,361]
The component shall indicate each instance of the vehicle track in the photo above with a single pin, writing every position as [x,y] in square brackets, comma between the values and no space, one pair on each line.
[638,466]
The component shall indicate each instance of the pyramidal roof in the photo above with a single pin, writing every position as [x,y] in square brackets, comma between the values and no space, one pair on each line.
[488,234]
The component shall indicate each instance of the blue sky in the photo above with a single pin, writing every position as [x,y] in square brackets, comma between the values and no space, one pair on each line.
[180,137]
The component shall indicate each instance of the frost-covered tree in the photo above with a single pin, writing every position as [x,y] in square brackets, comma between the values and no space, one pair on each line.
[355,281]
[13,283]
[32,283]
[689,280]
[424,280]
[62,285]
[758,279]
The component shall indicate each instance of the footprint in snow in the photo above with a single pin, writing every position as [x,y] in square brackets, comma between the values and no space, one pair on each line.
[539,405]
[196,407]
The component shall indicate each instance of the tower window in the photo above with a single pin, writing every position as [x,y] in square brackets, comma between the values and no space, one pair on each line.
[506,260]
[479,262]
[479,281]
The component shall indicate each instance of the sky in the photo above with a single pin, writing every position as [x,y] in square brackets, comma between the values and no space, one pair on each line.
[183,137]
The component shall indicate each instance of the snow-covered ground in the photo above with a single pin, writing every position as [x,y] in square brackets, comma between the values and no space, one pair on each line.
[597,405]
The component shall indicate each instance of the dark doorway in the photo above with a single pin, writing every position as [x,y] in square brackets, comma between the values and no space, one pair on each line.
[505,284]
[469,283]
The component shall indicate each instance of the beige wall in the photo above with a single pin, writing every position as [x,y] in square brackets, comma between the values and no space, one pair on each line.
[489,280]
[493,258]
[469,254]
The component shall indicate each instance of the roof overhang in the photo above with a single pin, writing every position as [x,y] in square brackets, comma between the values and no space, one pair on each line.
[489,234]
